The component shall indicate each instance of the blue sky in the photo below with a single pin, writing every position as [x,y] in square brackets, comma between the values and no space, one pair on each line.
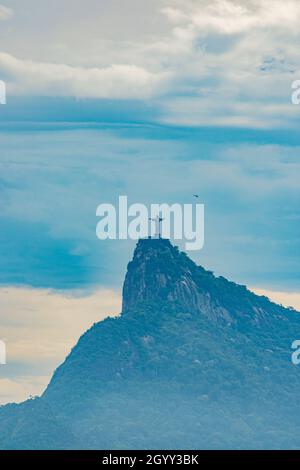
[53,178]
[155,100]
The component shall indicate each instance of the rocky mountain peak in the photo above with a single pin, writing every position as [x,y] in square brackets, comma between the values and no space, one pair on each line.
[154,274]
[160,273]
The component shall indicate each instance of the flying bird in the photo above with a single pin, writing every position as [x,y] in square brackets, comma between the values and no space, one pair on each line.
[196,195]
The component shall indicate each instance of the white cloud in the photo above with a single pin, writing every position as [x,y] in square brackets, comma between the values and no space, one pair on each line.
[50,79]
[5,12]
[232,17]
[39,328]
[216,62]
[238,64]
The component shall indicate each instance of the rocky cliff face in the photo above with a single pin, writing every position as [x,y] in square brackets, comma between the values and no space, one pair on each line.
[159,272]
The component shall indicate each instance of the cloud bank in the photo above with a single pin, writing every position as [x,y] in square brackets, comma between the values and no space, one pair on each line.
[46,79]
[216,62]
[39,328]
